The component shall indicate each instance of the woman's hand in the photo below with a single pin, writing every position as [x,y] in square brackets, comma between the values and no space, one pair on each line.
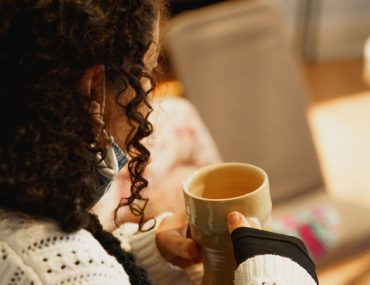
[181,251]
[173,244]
[236,220]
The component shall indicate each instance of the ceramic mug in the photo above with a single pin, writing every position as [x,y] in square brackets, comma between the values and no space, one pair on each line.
[211,193]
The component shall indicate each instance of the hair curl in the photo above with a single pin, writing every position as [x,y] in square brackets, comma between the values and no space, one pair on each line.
[47,166]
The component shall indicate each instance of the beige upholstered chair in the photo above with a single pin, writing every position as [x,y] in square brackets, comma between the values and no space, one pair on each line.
[238,69]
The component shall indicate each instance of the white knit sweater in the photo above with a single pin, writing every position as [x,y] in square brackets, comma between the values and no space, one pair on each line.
[34,252]
[38,252]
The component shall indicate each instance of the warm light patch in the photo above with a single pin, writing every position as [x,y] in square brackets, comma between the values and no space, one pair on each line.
[367,62]
[341,130]
[169,88]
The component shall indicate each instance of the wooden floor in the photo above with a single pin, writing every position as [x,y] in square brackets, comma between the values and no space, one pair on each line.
[340,121]
[333,79]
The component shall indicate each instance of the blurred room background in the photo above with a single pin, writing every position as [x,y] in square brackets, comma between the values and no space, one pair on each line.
[328,39]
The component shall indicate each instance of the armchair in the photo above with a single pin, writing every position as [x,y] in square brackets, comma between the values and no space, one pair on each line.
[238,69]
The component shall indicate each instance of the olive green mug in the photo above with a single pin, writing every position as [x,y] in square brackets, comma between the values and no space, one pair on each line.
[211,193]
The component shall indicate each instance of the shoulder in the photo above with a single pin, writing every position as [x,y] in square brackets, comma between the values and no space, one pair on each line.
[56,257]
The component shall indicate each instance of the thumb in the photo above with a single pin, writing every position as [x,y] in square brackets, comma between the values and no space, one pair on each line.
[236,220]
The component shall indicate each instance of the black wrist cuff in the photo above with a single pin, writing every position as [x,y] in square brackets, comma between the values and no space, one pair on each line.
[249,242]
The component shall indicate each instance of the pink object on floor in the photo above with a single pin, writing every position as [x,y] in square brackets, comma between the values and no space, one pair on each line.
[318,227]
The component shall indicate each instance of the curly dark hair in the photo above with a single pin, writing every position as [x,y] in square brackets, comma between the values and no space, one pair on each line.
[47,166]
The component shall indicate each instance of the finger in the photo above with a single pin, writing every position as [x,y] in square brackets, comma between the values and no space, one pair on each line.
[236,220]
[171,244]
[184,263]
[177,221]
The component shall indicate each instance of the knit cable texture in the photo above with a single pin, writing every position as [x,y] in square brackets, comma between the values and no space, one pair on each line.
[38,252]
[271,270]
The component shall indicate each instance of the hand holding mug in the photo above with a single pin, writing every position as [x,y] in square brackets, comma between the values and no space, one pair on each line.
[211,194]
[173,244]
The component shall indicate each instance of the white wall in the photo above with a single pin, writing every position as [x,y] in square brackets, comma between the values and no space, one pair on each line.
[343,25]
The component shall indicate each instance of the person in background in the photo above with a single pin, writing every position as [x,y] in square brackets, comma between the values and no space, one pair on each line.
[75,80]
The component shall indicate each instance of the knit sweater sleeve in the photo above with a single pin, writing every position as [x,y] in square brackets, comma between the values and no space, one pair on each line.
[268,258]
[13,270]
[143,246]
[38,252]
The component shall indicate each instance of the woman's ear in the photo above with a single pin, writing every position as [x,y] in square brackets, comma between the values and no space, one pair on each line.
[93,85]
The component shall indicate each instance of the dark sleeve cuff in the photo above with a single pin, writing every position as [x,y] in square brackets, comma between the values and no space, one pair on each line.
[249,242]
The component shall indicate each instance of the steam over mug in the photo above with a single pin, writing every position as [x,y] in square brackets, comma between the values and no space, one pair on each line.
[211,193]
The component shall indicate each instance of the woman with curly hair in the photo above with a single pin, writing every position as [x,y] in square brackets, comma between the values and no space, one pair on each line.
[74,82]
[74,88]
